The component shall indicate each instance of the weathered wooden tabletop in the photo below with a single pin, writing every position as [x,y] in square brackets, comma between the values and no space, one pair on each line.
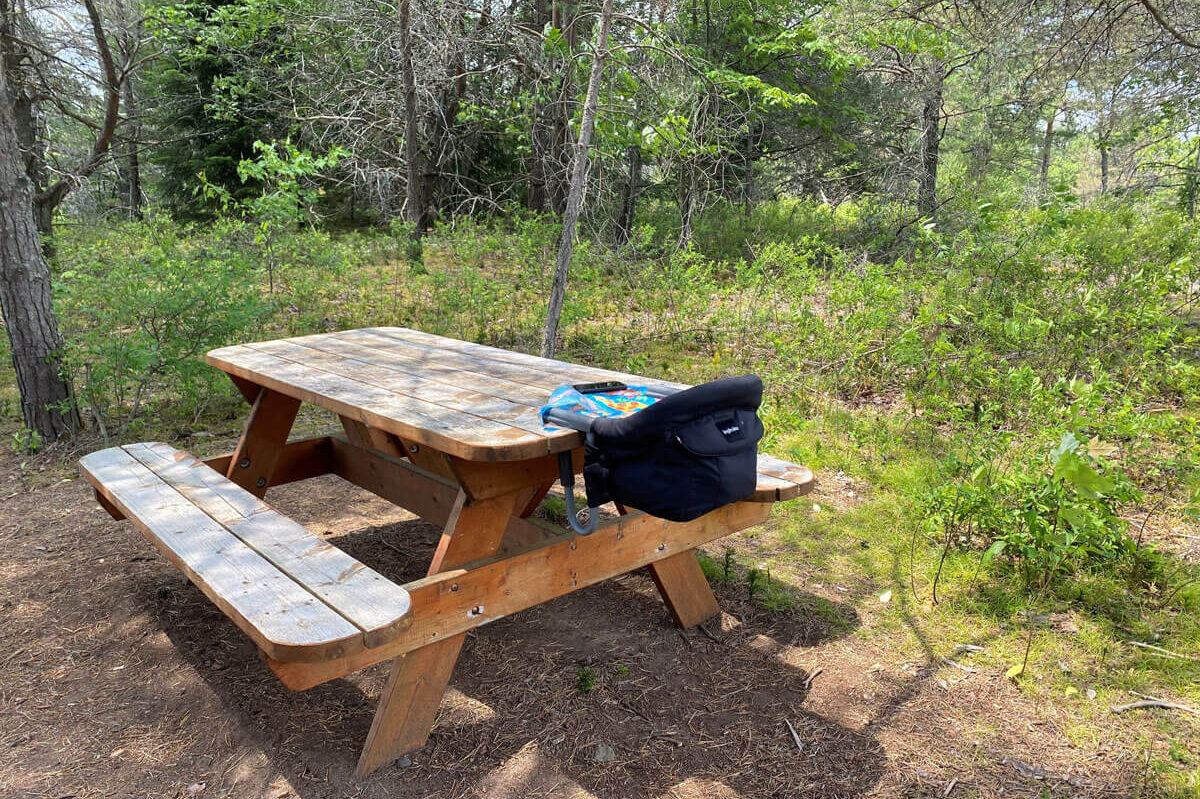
[468,400]
[475,402]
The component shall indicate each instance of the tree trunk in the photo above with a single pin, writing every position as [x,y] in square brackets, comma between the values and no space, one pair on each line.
[25,298]
[687,203]
[629,196]
[25,121]
[1194,182]
[558,153]
[133,169]
[556,169]
[931,140]
[439,123]
[566,245]
[414,201]
[753,134]
[1047,143]
[535,200]
[1103,167]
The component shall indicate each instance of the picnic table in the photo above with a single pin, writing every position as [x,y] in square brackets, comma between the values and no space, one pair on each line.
[446,429]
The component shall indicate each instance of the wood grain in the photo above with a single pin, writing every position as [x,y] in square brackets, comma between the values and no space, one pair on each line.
[257,452]
[410,700]
[684,588]
[427,494]
[466,401]
[297,596]
[459,600]
[411,419]
[286,621]
[369,601]
[298,460]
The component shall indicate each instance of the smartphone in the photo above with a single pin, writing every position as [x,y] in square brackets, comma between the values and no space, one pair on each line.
[599,388]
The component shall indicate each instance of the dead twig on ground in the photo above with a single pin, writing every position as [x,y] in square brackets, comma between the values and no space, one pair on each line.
[1158,650]
[1153,702]
[795,735]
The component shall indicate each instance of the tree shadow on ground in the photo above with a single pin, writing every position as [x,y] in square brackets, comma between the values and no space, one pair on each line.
[596,691]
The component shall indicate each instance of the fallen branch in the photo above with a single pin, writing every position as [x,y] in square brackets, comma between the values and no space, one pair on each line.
[707,634]
[1154,702]
[1159,650]
[812,676]
[795,735]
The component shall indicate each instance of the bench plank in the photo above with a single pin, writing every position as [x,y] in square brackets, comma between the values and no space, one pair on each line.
[367,599]
[789,480]
[298,597]
[286,621]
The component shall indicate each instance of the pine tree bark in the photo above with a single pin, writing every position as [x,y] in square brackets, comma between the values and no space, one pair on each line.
[1047,143]
[753,138]
[439,124]
[558,153]
[133,167]
[1194,182]
[1103,167]
[687,202]
[414,201]
[579,168]
[629,196]
[537,197]
[25,297]
[931,140]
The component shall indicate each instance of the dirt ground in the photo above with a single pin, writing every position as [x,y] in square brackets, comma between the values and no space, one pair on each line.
[121,679]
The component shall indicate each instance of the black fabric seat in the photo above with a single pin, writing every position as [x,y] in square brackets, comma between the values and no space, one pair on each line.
[685,455]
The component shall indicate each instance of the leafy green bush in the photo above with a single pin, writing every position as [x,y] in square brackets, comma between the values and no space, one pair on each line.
[142,305]
[983,338]
[1049,515]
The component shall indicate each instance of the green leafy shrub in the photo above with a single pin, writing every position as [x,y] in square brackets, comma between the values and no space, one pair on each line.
[143,305]
[1051,516]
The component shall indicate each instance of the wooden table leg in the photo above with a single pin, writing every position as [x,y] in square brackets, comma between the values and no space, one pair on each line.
[410,700]
[536,495]
[266,432]
[684,588]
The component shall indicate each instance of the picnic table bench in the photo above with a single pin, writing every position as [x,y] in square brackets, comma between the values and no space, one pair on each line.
[446,429]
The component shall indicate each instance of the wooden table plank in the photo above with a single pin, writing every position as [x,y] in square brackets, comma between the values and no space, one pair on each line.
[798,479]
[445,429]
[470,401]
[569,371]
[416,362]
[411,384]
[541,373]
